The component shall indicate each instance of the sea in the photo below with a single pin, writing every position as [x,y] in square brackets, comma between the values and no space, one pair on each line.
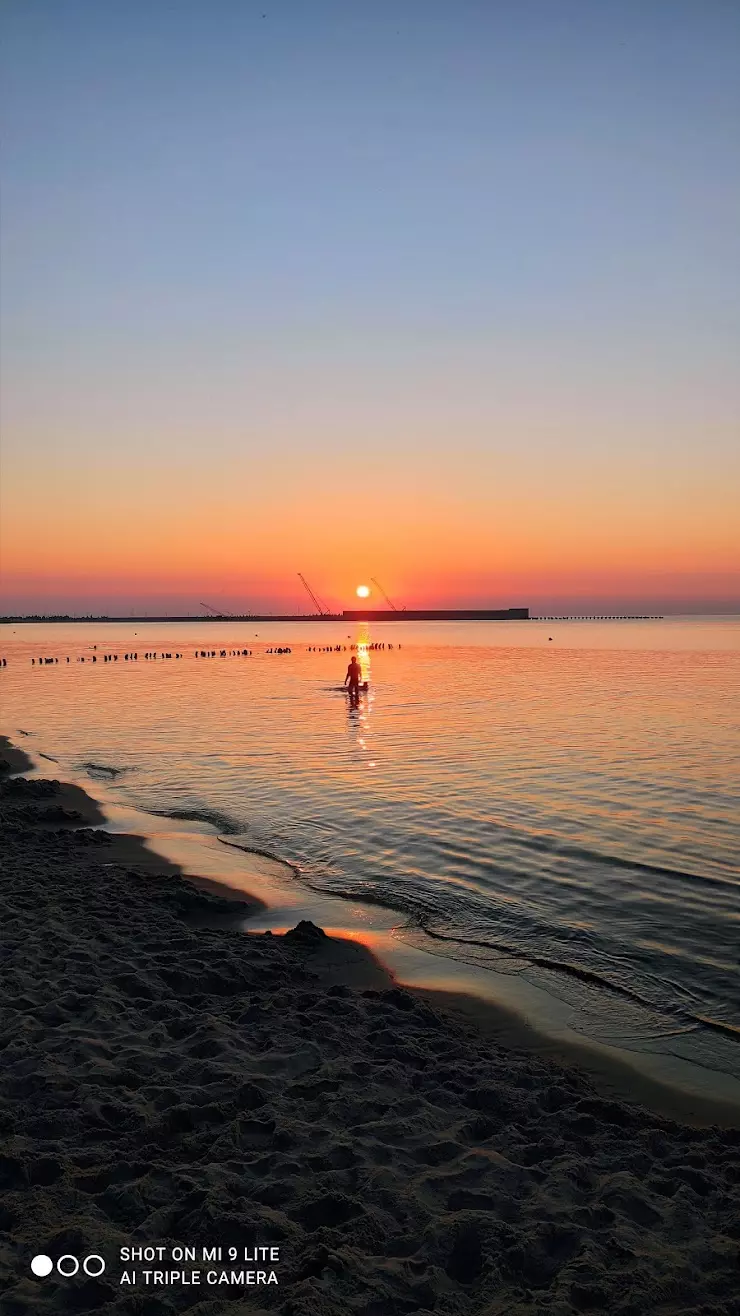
[544,814]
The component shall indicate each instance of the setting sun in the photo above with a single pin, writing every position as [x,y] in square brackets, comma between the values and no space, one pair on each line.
[362,592]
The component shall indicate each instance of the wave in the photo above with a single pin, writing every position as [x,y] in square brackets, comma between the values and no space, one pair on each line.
[265,854]
[544,962]
[592,977]
[421,919]
[718,1026]
[414,918]
[223,821]
[616,861]
[103,770]
[417,912]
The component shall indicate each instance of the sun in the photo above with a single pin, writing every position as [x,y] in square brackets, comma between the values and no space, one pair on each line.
[362,592]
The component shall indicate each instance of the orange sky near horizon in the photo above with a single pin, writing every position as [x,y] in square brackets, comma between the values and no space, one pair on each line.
[97,535]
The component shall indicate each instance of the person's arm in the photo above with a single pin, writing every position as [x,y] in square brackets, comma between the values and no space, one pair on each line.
[346,679]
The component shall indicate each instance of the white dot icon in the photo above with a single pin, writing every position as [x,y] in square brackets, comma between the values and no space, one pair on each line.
[42,1265]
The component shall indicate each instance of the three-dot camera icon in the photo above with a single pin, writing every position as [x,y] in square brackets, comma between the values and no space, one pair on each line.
[67,1266]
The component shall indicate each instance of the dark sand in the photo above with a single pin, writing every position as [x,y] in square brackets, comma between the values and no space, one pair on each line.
[166,1079]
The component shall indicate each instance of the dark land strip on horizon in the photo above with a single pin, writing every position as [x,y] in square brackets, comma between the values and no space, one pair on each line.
[354,615]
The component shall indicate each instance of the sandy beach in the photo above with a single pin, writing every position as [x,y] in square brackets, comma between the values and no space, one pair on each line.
[168,1081]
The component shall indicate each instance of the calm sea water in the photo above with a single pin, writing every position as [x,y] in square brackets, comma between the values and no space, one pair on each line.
[565,810]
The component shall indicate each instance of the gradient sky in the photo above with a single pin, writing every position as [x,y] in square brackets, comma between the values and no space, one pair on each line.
[446,293]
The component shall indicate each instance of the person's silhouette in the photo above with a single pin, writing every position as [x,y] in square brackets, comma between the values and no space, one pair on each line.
[352,679]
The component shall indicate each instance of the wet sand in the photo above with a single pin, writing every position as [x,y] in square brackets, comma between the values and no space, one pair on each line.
[167,1079]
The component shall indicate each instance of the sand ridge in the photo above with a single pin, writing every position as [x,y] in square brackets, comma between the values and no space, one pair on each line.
[167,1080]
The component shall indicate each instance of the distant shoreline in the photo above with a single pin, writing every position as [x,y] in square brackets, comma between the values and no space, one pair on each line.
[462,614]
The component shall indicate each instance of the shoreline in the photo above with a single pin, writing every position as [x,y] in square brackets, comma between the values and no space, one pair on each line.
[450,985]
[165,1079]
[613,1075]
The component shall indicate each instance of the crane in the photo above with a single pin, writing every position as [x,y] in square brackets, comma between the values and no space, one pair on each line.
[217,612]
[390,602]
[322,611]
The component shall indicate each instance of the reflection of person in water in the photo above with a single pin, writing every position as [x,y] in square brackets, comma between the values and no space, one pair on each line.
[352,679]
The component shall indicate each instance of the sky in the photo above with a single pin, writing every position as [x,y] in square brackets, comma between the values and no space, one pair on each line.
[440,292]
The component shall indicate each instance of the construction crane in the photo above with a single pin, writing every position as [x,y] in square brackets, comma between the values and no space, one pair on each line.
[217,612]
[323,611]
[390,602]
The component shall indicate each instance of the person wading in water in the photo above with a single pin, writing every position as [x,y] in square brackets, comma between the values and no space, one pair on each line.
[352,679]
